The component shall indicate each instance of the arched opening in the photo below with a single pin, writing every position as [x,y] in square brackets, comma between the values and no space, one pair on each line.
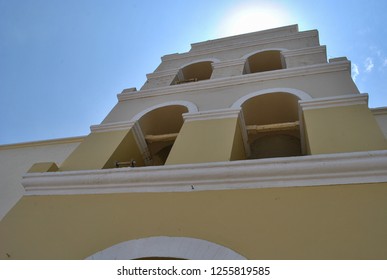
[163,247]
[160,128]
[272,125]
[194,72]
[263,61]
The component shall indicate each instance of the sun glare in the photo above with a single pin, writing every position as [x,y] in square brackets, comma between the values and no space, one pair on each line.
[250,18]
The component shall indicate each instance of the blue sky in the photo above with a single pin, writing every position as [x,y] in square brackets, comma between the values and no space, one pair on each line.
[62,62]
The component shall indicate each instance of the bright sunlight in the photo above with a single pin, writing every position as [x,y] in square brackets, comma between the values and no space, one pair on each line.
[252,17]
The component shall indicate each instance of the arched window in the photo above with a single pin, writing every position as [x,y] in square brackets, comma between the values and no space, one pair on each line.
[194,72]
[263,61]
[272,125]
[160,128]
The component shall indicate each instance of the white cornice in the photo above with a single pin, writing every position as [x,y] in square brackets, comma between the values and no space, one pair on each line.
[304,171]
[336,101]
[112,126]
[379,111]
[255,43]
[164,73]
[213,114]
[305,51]
[59,141]
[236,39]
[238,80]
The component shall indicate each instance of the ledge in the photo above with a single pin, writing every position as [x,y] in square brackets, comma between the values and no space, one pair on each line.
[381,111]
[255,43]
[238,80]
[212,114]
[305,51]
[248,37]
[304,171]
[58,141]
[336,101]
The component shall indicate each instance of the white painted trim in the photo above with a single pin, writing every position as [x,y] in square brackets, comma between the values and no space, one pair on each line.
[304,51]
[169,247]
[58,141]
[246,56]
[164,73]
[112,126]
[255,43]
[189,105]
[212,114]
[335,101]
[176,71]
[247,37]
[208,59]
[238,80]
[296,92]
[106,127]
[380,111]
[306,171]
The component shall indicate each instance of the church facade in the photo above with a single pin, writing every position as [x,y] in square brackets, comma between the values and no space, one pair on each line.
[254,146]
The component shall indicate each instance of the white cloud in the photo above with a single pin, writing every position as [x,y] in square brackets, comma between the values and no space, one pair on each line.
[368,64]
[385,62]
[355,71]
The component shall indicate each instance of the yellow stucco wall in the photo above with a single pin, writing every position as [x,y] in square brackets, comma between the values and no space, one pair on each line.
[342,129]
[328,222]
[17,159]
[204,141]
[102,149]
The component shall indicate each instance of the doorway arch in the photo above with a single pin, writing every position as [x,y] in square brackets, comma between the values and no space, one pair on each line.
[167,247]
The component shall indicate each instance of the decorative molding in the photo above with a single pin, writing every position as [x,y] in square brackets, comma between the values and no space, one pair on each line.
[381,111]
[236,39]
[106,127]
[212,114]
[205,59]
[161,74]
[241,45]
[305,51]
[238,80]
[189,105]
[129,90]
[169,247]
[335,101]
[246,56]
[112,126]
[304,171]
[58,141]
[296,92]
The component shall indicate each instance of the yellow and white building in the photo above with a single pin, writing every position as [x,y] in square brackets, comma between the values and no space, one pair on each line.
[247,147]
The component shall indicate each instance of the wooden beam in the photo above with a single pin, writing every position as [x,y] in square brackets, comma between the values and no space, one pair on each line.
[251,129]
[161,137]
